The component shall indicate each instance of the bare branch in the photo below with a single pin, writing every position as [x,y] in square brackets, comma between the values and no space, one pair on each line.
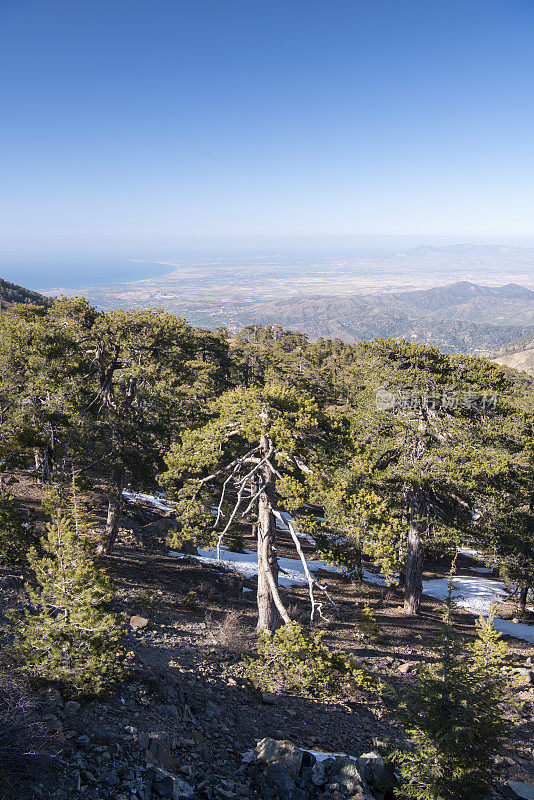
[276,594]
[314,606]
[221,471]
[219,507]
[301,465]
[247,509]
[232,515]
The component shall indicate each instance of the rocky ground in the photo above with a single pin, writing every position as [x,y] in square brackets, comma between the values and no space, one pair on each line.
[182,723]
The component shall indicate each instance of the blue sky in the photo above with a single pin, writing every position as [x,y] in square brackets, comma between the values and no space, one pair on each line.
[144,127]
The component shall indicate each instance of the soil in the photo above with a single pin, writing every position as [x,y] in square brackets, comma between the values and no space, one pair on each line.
[187,678]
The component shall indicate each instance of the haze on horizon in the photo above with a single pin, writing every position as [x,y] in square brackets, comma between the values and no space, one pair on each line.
[136,132]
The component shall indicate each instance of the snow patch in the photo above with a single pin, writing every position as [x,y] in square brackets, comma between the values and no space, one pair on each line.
[320,756]
[283,518]
[468,551]
[475,596]
[156,500]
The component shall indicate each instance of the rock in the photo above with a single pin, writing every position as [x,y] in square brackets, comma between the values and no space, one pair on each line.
[212,709]
[346,773]
[143,740]
[159,747]
[52,723]
[406,667]
[270,699]
[376,771]
[523,790]
[53,698]
[71,707]
[271,751]
[304,776]
[320,771]
[167,785]
[278,778]
[138,623]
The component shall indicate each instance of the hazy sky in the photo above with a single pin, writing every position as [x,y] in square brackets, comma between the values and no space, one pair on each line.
[135,123]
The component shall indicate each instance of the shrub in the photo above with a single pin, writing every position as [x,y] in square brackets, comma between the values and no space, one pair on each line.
[190,602]
[367,624]
[24,743]
[68,635]
[295,660]
[456,719]
[230,633]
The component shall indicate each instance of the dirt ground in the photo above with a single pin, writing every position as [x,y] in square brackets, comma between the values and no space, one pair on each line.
[198,654]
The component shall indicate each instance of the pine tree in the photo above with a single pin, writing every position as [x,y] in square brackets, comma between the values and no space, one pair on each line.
[259,448]
[68,635]
[456,717]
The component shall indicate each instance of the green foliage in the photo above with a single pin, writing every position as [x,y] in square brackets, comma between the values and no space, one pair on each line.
[190,602]
[194,518]
[15,530]
[68,635]
[367,624]
[236,540]
[296,660]
[456,716]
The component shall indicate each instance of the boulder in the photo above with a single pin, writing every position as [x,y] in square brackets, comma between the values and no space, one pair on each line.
[523,790]
[279,779]
[376,772]
[407,666]
[159,747]
[170,786]
[346,773]
[273,751]
[138,623]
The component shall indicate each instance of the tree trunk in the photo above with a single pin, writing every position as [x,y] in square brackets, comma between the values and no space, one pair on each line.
[522,604]
[359,564]
[415,550]
[270,607]
[114,511]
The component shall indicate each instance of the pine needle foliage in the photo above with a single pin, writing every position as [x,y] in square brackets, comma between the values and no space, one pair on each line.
[296,660]
[367,625]
[15,531]
[68,636]
[456,717]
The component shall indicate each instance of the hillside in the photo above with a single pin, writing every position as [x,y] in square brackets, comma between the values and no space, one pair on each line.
[11,293]
[518,355]
[195,558]
[457,317]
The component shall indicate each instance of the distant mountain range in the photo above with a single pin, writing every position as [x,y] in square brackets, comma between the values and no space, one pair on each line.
[458,317]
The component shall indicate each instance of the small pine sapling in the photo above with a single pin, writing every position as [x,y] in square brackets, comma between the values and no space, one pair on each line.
[456,717]
[68,635]
[190,602]
[367,624]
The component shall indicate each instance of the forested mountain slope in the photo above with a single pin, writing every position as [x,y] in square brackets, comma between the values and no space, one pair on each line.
[12,293]
[459,317]
[133,443]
